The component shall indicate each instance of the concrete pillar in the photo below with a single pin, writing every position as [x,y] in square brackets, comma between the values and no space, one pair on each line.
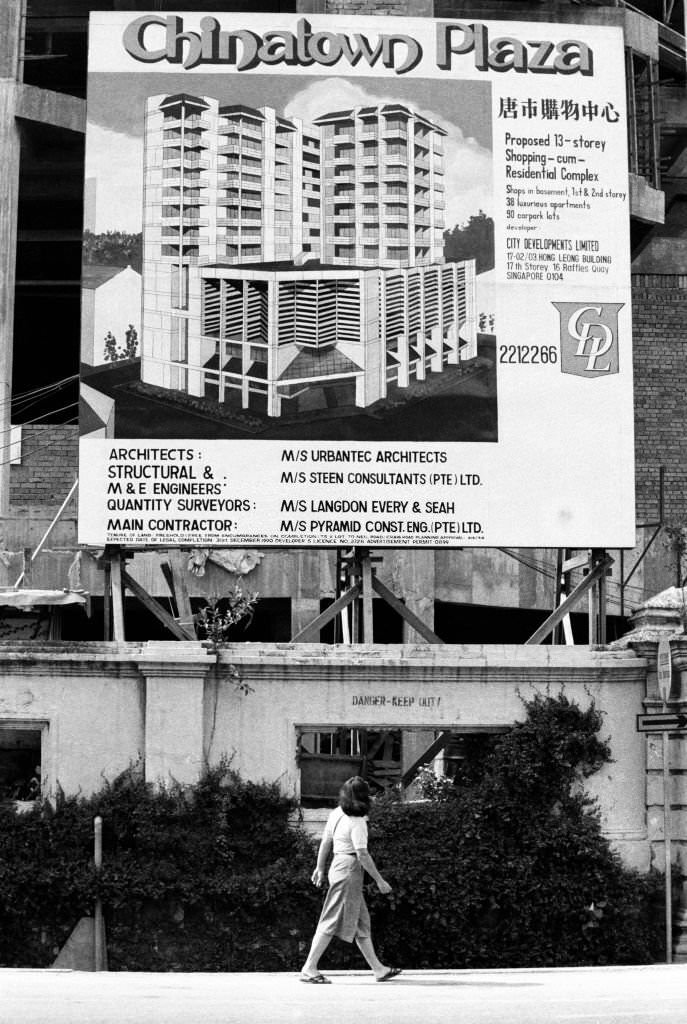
[360,392]
[420,346]
[273,371]
[436,343]
[452,357]
[411,576]
[174,721]
[10,21]
[303,611]
[306,589]
[421,337]
[245,349]
[273,400]
[403,354]
[470,327]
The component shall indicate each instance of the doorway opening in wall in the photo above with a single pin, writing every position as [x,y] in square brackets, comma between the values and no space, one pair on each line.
[388,757]
[21,761]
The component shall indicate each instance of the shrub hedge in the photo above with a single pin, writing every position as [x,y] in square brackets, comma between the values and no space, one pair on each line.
[214,877]
[507,868]
[510,867]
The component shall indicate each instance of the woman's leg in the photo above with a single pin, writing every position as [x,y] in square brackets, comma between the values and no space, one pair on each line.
[320,941]
[367,949]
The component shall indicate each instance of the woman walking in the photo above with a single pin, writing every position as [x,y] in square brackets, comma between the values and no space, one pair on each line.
[345,913]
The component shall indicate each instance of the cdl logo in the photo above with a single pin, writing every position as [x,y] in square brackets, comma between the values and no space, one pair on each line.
[589,338]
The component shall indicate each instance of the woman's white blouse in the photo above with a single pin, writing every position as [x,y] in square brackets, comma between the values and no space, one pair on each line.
[348,834]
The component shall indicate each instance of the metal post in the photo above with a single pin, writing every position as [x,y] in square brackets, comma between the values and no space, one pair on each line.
[602,610]
[666,845]
[558,591]
[98,944]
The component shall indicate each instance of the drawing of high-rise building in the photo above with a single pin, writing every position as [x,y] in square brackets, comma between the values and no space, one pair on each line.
[384,188]
[280,259]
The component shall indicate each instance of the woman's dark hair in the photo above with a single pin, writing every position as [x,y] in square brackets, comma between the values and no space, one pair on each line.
[354,797]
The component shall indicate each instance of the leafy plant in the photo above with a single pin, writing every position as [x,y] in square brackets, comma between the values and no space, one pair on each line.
[507,869]
[110,351]
[472,240]
[217,617]
[209,877]
[511,868]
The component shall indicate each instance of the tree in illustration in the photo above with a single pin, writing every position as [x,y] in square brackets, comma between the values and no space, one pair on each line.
[472,240]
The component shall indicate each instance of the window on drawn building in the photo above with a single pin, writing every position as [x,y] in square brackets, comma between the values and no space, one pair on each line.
[20,761]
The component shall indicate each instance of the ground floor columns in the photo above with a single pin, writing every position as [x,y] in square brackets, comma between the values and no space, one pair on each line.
[174,730]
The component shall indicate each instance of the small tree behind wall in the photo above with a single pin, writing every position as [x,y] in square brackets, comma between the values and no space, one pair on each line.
[110,352]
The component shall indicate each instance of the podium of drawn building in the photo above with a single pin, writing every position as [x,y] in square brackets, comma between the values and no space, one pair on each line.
[286,265]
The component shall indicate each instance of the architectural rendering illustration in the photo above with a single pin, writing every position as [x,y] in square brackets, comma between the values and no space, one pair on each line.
[285,261]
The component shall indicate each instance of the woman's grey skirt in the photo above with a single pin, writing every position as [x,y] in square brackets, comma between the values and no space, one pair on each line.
[345,912]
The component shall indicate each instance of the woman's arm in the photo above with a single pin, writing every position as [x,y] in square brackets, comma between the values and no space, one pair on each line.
[366,861]
[325,849]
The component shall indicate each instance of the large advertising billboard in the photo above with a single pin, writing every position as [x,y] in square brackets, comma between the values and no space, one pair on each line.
[355,281]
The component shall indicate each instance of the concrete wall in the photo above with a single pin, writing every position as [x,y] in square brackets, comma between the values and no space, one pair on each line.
[91,710]
[105,706]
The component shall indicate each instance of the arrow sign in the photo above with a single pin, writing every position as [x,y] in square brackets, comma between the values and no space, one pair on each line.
[662,722]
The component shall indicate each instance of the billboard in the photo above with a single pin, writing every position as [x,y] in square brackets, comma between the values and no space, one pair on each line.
[355,281]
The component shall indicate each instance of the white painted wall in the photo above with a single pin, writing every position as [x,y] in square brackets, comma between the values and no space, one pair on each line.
[105,705]
[110,307]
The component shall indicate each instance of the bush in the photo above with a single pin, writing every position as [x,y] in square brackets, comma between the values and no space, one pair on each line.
[511,868]
[212,877]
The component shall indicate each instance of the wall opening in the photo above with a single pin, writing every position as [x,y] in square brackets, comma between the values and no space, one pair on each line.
[21,765]
[388,757]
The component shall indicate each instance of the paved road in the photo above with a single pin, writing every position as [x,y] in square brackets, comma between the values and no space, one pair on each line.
[639,995]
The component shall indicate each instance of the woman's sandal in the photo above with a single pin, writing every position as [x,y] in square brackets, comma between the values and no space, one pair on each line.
[315,979]
[393,972]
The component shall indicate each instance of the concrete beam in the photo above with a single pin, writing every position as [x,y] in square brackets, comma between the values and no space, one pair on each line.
[52,108]
[673,104]
[646,203]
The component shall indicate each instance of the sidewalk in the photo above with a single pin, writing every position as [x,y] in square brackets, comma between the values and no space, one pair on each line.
[630,995]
